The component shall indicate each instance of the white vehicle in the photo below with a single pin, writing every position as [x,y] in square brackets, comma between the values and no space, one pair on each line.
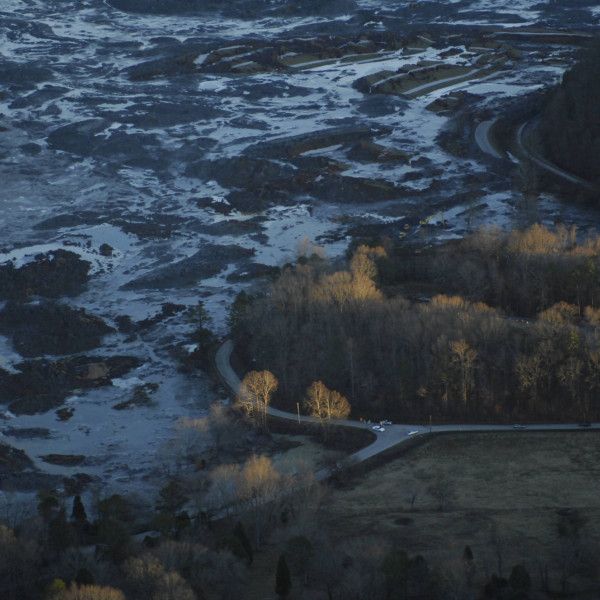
[413,432]
[386,422]
[378,428]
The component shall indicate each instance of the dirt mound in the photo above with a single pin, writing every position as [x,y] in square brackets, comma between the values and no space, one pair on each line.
[48,327]
[52,275]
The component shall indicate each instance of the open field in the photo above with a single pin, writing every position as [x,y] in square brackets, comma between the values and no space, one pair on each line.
[508,486]
[509,482]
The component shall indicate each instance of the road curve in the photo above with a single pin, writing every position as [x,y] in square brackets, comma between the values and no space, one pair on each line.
[482,138]
[546,164]
[393,434]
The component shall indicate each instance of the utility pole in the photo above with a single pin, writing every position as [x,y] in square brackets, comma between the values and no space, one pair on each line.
[298,409]
[429,423]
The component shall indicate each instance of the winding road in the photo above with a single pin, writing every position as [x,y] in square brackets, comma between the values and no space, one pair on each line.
[393,434]
[545,164]
[482,139]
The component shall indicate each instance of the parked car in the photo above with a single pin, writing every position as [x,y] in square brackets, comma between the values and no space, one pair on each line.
[413,432]
[585,424]
[519,426]
[385,422]
[378,428]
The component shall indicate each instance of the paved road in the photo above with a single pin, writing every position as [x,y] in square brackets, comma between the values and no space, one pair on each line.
[440,83]
[393,434]
[482,138]
[547,165]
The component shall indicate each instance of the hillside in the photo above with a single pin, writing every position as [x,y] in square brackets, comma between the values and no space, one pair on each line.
[570,123]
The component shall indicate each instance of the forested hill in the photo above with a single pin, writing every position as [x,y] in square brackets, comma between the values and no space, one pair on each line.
[570,124]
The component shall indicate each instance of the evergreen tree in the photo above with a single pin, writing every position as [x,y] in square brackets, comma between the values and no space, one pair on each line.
[171,499]
[520,581]
[47,505]
[299,552]
[237,310]
[115,507]
[115,539]
[84,577]
[283,580]
[60,535]
[469,564]
[240,533]
[78,513]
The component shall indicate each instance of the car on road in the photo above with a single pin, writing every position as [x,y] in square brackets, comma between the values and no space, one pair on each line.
[519,426]
[378,428]
[412,432]
[585,424]
[385,422]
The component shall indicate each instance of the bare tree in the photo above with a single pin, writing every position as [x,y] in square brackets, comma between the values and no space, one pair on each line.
[13,510]
[412,492]
[223,429]
[362,265]
[172,586]
[142,574]
[255,393]
[364,580]
[220,571]
[224,573]
[364,260]
[148,577]
[498,543]
[307,250]
[193,437]
[258,486]
[337,288]
[222,491]
[90,592]
[325,405]
[464,356]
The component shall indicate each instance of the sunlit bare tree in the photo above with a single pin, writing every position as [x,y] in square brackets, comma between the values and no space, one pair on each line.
[255,393]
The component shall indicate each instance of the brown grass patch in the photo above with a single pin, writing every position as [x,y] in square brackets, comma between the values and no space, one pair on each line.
[508,484]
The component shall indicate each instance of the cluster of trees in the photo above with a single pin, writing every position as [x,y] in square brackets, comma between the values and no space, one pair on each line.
[201,533]
[324,406]
[196,541]
[521,343]
[198,564]
[570,124]
[520,272]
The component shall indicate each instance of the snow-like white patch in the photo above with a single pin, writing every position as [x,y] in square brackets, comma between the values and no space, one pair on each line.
[91,47]
[126,383]
[8,357]
[21,256]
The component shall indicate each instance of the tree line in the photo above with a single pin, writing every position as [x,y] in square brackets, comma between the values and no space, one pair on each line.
[520,342]
[60,554]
